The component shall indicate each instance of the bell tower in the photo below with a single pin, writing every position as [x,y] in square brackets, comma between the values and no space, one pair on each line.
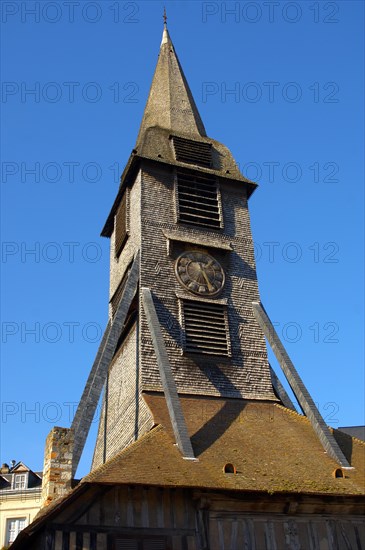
[185,318]
[183,205]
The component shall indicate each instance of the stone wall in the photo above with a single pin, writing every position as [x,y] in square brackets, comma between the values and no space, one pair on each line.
[57,469]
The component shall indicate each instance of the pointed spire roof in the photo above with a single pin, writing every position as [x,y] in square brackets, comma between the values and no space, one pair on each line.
[171,111]
[170,103]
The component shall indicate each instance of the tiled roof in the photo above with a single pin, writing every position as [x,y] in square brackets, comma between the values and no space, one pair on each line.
[273,450]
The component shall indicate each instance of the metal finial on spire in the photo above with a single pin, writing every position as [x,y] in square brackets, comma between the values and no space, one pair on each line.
[164,17]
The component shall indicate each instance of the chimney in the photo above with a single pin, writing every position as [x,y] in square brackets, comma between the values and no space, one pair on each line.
[57,469]
[4,468]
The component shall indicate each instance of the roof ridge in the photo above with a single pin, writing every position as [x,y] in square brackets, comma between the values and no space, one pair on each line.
[293,413]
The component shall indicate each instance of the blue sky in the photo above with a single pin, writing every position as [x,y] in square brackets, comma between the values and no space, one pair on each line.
[280,83]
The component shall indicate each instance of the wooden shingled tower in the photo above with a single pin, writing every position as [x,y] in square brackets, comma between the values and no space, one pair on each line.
[198,445]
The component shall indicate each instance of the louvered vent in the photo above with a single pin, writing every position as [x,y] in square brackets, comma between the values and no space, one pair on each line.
[206,328]
[121,226]
[193,152]
[114,302]
[198,200]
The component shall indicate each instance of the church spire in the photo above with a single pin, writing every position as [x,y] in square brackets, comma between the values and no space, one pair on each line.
[170,103]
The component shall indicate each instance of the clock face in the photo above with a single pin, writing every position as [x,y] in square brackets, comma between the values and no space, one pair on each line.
[199,273]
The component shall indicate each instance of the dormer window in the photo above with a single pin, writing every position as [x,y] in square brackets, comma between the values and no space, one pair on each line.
[20,481]
[198,200]
[193,152]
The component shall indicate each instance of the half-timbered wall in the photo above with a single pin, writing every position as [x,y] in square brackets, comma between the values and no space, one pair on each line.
[153,518]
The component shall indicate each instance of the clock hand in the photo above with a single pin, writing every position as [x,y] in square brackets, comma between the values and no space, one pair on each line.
[209,284]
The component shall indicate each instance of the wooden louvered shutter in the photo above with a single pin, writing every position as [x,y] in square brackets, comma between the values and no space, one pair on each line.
[198,200]
[121,233]
[206,328]
[192,152]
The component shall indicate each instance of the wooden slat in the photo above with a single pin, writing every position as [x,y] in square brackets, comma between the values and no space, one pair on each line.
[121,225]
[79,541]
[144,508]
[65,541]
[101,541]
[137,507]
[58,540]
[50,540]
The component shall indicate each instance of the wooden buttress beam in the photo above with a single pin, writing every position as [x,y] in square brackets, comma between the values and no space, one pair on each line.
[300,391]
[280,391]
[96,380]
[167,378]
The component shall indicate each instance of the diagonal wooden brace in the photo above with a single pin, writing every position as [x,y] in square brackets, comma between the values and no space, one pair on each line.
[300,391]
[167,378]
[280,391]
[96,380]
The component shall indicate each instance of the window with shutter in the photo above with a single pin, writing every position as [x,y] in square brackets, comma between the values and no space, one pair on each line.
[198,200]
[206,328]
[192,152]
[121,231]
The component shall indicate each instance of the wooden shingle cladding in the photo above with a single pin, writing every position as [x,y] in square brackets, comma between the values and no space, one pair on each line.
[121,224]
[198,200]
[157,273]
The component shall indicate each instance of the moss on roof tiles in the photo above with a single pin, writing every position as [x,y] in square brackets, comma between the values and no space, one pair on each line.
[273,450]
